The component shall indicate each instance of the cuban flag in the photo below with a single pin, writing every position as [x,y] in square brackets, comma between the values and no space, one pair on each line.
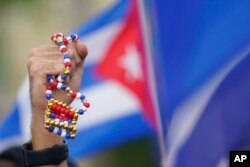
[203,57]
[115,81]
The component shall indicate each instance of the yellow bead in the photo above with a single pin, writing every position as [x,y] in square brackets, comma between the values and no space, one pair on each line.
[65,126]
[47,126]
[61,124]
[66,72]
[75,117]
[64,104]
[59,39]
[52,122]
[52,100]
[67,89]
[73,122]
[49,105]
[48,114]
[48,111]
[56,101]
[60,103]
[47,122]
[73,135]
[71,127]
[56,123]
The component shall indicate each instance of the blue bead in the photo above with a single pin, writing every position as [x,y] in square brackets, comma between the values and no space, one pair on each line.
[53,115]
[66,56]
[63,87]
[48,96]
[59,132]
[69,122]
[49,77]
[68,135]
[64,77]
[60,44]
[73,36]
[51,129]
[81,111]
[82,97]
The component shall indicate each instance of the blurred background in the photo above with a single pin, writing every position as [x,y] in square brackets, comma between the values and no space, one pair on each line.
[176,74]
[26,24]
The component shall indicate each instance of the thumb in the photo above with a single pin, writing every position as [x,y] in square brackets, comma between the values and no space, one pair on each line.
[81,49]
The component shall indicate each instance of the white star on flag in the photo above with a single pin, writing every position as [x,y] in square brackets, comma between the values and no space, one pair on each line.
[131,62]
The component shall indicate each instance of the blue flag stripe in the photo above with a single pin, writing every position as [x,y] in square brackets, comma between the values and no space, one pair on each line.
[116,12]
[11,125]
[116,132]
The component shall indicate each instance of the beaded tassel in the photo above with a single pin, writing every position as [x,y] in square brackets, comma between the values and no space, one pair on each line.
[60,118]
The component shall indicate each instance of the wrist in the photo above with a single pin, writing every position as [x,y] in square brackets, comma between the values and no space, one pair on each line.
[41,138]
[53,156]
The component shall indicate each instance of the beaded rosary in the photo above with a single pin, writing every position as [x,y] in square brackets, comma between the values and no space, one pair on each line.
[60,118]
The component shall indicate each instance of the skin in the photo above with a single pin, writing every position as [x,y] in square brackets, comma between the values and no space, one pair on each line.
[46,60]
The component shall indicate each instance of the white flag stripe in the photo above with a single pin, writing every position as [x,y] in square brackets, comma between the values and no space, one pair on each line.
[100,40]
[109,101]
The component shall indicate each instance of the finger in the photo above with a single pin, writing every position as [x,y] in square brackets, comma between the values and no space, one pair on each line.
[81,50]
[49,47]
[47,68]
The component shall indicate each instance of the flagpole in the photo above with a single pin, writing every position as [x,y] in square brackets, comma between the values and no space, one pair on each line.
[146,40]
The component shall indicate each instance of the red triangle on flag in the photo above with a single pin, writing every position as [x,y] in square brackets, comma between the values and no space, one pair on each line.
[125,62]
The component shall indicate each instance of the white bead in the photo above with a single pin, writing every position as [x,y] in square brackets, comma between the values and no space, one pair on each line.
[55,130]
[65,122]
[66,60]
[63,134]
[48,91]
[78,95]
[51,80]
[69,39]
[62,46]
[59,78]
[59,85]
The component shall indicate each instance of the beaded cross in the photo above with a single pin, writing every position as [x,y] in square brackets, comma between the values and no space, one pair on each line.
[60,118]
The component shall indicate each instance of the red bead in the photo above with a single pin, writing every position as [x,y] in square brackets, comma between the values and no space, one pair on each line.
[65,41]
[49,87]
[71,114]
[58,109]
[54,84]
[67,111]
[58,35]
[57,116]
[53,107]
[52,38]
[73,94]
[64,50]
[68,64]
[62,110]
[86,104]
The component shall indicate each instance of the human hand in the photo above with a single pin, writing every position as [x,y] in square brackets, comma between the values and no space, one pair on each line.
[43,61]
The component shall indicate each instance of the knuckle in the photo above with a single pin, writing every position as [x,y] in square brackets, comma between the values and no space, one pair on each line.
[30,61]
[34,70]
[33,52]
[85,50]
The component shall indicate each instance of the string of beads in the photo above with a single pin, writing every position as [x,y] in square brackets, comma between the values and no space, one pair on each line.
[60,118]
